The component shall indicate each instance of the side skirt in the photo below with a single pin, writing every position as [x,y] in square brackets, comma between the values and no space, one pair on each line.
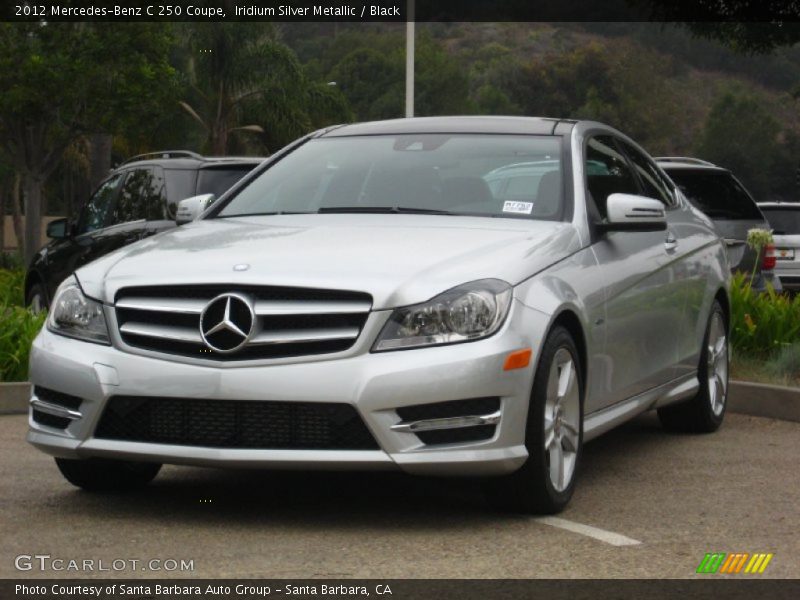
[606,419]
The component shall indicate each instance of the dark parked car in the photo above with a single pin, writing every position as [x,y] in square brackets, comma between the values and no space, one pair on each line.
[138,199]
[716,192]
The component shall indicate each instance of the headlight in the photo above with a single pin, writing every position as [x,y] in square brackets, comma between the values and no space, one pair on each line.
[74,315]
[468,312]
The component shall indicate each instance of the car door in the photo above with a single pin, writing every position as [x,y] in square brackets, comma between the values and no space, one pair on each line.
[79,247]
[685,246]
[159,216]
[644,301]
[128,222]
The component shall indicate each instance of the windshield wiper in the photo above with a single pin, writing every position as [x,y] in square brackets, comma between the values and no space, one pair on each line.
[263,214]
[383,210]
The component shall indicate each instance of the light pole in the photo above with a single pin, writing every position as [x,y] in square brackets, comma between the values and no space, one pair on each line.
[410,60]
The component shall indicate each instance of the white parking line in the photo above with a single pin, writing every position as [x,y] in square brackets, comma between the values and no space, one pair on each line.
[609,537]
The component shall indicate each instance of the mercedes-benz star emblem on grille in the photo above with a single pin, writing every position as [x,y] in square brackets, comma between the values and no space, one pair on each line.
[226,323]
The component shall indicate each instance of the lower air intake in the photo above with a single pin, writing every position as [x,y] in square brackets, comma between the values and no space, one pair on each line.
[235,424]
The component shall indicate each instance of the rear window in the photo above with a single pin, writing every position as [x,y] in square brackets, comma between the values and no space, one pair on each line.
[784,221]
[716,193]
[217,181]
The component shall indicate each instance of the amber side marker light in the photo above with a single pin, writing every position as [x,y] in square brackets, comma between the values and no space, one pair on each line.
[518,360]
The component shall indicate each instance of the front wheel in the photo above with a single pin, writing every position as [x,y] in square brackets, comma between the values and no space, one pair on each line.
[554,434]
[704,412]
[36,299]
[105,475]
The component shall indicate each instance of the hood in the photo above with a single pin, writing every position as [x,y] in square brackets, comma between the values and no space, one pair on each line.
[398,259]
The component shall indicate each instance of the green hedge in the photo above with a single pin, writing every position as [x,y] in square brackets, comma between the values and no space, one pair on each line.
[762,325]
[18,326]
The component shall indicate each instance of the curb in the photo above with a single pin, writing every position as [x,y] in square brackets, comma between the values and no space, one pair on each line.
[763,400]
[755,399]
[14,398]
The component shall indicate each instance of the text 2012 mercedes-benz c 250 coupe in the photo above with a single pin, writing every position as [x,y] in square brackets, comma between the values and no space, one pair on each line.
[450,296]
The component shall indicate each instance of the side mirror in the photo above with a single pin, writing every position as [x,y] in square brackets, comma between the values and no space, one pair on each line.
[629,212]
[58,229]
[191,208]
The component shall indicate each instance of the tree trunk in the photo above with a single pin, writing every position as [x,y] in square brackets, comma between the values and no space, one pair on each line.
[99,158]
[33,184]
[3,195]
[16,214]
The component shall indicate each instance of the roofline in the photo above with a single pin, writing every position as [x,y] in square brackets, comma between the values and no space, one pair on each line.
[469,124]
[689,160]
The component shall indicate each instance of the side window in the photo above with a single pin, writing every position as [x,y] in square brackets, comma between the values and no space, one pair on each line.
[96,211]
[156,196]
[607,172]
[132,201]
[653,185]
[180,184]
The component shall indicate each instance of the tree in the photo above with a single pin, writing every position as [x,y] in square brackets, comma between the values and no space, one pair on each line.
[244,80]
[64,79]
[741,135]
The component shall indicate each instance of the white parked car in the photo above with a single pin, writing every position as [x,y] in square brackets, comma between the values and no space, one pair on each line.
[784,220]
[363,300]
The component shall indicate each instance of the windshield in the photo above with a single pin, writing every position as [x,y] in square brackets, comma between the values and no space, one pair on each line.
[716,193]
[784,221]
[491,175]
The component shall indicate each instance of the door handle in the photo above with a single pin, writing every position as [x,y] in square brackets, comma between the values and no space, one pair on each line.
[671,243]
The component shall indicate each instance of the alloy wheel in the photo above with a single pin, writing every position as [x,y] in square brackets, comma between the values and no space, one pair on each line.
[562,420]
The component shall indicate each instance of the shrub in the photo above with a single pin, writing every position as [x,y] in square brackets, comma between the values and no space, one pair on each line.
[18,327]
[12,287]
[786,363]
[762,324]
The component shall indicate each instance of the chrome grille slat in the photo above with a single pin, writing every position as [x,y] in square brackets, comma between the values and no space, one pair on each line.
[304,335]
[189,306]
[182,334]
[193,306]
[286,321]
[309,307]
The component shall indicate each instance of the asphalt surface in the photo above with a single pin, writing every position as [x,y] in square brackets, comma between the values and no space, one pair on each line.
[679,495]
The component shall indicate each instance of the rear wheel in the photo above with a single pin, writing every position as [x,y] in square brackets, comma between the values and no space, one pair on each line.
[105,475]
[704,413]
[554,434]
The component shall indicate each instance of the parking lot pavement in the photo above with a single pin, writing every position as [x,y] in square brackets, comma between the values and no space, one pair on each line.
[678,496]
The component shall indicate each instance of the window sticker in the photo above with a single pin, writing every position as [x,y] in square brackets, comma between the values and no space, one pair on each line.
[520,208]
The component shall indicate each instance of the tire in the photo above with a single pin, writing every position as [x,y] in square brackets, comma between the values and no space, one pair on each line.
[536,487]
[704,413]
[104,475]
[36,298]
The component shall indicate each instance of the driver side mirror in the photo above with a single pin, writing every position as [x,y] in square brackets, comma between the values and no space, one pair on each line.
[629,212]
[58,229]
[191,208]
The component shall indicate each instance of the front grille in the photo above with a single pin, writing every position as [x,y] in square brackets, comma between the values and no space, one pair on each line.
[235,424]
[288,321]
[60,398]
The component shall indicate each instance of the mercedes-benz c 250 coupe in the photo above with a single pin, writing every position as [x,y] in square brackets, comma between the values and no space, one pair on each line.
[448,296]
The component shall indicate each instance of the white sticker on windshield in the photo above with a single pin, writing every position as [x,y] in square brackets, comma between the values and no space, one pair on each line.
[521,208]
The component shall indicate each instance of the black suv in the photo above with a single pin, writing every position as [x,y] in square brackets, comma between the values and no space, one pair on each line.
[138,199]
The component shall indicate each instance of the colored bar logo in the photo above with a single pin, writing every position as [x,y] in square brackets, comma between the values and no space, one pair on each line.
[734,563]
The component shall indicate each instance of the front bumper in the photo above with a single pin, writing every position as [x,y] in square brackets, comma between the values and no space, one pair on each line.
[375,384]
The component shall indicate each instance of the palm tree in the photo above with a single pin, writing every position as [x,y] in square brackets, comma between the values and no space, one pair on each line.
[243,79]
